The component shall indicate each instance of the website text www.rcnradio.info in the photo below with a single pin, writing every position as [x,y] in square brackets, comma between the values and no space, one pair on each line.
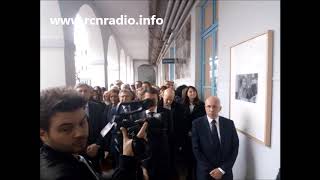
[122,20]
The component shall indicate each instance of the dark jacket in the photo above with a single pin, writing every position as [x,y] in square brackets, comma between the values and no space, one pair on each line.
[95,122]
[128,169]
[198,111]
[157,135]
[114,136]
[56,165]
[178,134]
[203,147]
[107,117]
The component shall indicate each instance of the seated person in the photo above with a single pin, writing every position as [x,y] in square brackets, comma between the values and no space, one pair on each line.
[64,133]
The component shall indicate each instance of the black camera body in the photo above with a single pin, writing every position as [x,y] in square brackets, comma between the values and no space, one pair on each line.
[129,119]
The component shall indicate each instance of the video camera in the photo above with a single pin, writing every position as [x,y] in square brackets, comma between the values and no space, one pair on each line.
[127,115]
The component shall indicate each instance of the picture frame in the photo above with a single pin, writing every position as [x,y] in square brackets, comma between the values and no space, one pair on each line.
[251,87]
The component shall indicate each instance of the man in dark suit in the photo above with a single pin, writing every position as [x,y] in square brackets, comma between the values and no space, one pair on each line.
[178,135]
[94,112]
[113,143]
[215,143]
[157,166]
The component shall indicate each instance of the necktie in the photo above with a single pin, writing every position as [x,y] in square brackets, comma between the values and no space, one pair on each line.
[83,160]
[126,109]
[150,114]
[214,133]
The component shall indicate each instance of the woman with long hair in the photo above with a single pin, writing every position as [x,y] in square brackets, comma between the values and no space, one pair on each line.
[194,109]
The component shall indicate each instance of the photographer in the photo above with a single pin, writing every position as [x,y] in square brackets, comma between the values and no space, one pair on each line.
[124,96]
[129,167]
[157,165]
[64,132]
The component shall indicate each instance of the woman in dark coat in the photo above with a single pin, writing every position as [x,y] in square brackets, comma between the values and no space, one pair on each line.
[194,109]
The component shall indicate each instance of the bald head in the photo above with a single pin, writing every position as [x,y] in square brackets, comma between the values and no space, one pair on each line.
[212,106]
[168,96]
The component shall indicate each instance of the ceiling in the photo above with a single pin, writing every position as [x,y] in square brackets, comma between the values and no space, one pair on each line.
[135,38]
[143,42]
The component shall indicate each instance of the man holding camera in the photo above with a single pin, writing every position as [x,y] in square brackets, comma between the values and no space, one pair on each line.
[112,139]
[157,165]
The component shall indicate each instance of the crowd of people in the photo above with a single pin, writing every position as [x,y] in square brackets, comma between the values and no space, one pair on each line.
[184,146]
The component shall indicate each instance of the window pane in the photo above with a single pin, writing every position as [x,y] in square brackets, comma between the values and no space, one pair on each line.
[166,75]
[208,15]
[207,93]
[208,61]
[215,65]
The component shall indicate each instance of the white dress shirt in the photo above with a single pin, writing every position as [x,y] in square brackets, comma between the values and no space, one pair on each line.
[191,107]
[155,110]
[218,129]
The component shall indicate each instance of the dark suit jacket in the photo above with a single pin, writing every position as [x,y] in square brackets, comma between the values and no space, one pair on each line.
[158,165]
[198,111]
[95,122]
[111,138]
[203,149]
[178,134]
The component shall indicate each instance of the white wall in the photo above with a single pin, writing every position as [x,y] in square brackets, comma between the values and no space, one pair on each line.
[238,21]
[52,66]
[51,62]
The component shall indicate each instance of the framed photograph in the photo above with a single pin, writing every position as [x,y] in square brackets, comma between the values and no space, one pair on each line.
[250,87]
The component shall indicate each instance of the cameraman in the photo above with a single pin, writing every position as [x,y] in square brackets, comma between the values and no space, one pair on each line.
[124,96]
[64,132]
[157,166]
[129,167]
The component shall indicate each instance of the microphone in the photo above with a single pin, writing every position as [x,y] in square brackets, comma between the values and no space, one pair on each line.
[143,105]
[147,103]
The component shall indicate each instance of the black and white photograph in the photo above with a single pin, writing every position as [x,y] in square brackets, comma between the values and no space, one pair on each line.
[246,87]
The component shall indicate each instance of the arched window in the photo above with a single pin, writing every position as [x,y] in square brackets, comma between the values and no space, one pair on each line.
[129,70]
[123,67]
[89,54]
[113,61]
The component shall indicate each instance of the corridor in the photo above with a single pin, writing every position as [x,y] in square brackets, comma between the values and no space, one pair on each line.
[228,49]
